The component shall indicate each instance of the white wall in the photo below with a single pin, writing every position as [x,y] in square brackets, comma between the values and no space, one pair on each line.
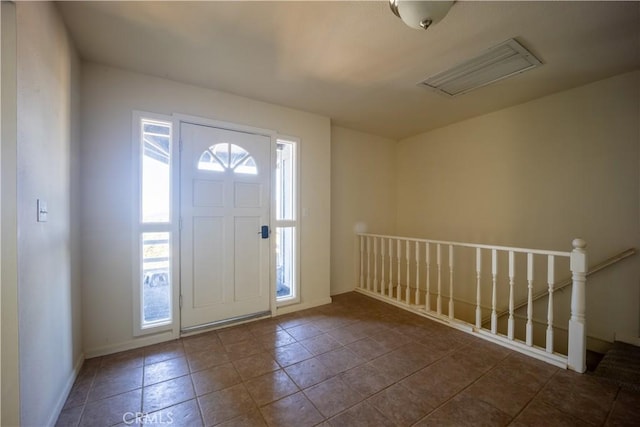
[1,37]
[538,175]
[9,360]
[50,347]
[363,188]
[109,96]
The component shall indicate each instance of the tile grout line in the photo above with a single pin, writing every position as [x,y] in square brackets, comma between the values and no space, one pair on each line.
[613,405]
[534,397]
[469,385]
[84,404]
[397,382]
[577,416]
[193,386]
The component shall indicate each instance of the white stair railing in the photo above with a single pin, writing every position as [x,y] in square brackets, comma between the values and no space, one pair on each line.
[559,286]
[399,270]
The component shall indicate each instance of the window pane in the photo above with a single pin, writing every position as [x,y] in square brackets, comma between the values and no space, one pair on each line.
[248,166]
[222,153]
[156,154]
[237,154]
[285,181]
[285,262]
[209,162]
[156,277]
[157,128]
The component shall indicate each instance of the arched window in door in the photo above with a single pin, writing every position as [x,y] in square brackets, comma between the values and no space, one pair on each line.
[225,156]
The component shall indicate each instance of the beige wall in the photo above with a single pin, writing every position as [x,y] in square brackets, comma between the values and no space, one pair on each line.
[538,175]
[109,97]
[50,348]
[363,185]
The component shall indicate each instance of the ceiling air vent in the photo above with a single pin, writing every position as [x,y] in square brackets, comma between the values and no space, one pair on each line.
[497,63]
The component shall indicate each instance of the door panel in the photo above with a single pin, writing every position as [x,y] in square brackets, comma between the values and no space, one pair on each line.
[247,250]
[224,201]
[208,193]
[247,195]
[208,250]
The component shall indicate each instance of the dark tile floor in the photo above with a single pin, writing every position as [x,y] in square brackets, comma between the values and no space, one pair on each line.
[355,362]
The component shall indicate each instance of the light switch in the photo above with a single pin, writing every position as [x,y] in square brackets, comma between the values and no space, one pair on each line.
[43,211]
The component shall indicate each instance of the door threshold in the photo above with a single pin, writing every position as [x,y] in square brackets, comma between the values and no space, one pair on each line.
[219,324]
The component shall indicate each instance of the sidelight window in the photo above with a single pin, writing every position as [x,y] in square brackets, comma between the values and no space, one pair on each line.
[286,222]
[153,288]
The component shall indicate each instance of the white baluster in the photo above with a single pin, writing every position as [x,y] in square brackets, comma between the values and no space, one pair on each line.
[361,262]
[530,299]
[494,294]
[428,295]
[450,281]
[383,260]
[398,289]
[511,282]
[390,268]
[439,296]
[417,300]
[577,324]
[478,271]
[550,280]
[407,255]
[375,264]
[368,263]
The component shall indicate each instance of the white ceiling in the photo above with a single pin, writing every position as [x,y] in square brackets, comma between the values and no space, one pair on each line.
[355,61]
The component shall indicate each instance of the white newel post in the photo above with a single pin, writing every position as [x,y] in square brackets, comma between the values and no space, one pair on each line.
[577,324]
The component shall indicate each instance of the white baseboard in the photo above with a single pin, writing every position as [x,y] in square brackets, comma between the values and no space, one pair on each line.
[65,391]
[169,335]
[628,339]
[302,306]
[131,344]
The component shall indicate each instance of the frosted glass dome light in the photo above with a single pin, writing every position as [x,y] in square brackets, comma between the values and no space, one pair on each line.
[420,14]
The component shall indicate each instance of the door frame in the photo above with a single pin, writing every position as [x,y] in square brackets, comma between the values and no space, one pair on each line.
[178,119]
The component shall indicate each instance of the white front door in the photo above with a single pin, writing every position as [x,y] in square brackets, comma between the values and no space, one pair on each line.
[224,200]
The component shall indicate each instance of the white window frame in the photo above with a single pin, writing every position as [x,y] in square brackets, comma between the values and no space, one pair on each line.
[292,223]
[139,227]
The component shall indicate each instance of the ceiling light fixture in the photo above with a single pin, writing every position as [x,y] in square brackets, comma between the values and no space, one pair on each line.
[420,14]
